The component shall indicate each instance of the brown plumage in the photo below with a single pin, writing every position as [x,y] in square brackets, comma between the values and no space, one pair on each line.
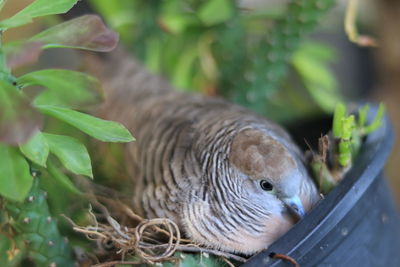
[225,175]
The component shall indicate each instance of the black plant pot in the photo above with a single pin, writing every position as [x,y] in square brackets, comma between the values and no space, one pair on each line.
[357,224]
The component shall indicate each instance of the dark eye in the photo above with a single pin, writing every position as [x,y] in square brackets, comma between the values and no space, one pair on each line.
[265,185]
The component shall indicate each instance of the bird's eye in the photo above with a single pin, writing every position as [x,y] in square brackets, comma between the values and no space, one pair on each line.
[265,185]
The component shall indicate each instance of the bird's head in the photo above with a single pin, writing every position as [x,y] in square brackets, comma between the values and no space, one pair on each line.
[256,198]
[273,174]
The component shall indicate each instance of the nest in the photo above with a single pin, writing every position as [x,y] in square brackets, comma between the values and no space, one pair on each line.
[122,235]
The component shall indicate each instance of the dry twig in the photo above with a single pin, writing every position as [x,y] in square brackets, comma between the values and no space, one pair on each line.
[151,240]
[284,258]
[351,29]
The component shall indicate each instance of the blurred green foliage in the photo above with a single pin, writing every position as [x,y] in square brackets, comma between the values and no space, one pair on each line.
[256,57]
[36,231]
[181,259]
[348,130]
[338,150]
[27,222]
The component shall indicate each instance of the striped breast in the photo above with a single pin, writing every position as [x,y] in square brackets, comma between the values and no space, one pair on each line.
[180,160]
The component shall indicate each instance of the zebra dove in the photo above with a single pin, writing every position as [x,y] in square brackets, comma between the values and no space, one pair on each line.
[229,178]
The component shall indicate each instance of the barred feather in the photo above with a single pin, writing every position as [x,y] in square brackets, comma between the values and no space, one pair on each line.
[182,164]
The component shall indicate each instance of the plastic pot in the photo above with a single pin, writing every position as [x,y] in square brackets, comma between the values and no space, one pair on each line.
[357,224]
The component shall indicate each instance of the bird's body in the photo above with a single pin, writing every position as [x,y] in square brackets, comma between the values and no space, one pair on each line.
[199,161]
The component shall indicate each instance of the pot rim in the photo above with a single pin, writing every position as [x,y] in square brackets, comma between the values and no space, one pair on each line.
[301,238]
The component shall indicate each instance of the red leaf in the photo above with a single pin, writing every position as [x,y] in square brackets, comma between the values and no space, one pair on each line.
[86,32]
[18,119]
[25,54]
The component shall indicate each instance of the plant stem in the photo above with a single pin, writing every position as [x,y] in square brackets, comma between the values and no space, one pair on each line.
[37,231]
[275,50]
[5,72]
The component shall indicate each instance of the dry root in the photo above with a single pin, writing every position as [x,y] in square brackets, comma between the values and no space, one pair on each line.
[151,240]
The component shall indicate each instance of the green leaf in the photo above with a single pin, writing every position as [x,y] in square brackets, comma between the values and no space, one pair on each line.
[87,32]
[377,122]
[15,178]
[338,117]
[184,68]
[72,154]
[18,120]
[36,149]
[120,15]
[215,11]
[153,57]
[66,88]
[323,175]
[362,115]
[318,51]
[178,23]
[62,178]
[36,9]
[318,79]
[2,2]
[117,13]
[107,131]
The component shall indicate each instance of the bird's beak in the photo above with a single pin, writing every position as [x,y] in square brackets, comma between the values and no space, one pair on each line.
[294,204]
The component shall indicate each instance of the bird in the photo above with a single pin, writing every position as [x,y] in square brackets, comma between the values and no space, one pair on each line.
[230,179]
